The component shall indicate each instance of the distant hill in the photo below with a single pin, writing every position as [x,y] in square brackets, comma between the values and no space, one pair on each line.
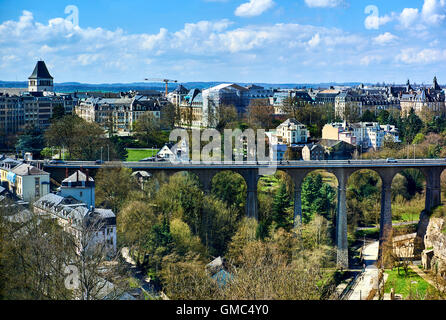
[118,87]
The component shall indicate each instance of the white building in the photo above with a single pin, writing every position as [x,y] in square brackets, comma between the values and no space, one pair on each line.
[25,181]
[364,134]
[172,152]
[80,187]
[292,132]
[73,208]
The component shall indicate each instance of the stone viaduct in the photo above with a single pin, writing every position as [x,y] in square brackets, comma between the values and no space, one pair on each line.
[298,170]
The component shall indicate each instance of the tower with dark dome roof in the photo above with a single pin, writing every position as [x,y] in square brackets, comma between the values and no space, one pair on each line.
[40,80]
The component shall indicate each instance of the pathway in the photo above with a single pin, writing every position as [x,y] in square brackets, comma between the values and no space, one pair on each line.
[368,279]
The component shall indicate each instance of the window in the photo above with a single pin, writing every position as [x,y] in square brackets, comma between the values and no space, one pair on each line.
[37,187]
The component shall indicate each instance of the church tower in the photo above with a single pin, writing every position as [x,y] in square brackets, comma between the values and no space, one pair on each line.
[40,80]
[435,86]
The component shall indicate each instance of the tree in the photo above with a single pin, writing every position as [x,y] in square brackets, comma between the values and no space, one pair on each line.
[412,126]
[368,116]
[83,140]
[383,117]
[351,113]
[230,187]
[291,106]
[31,140]
[419,138]
[134,223]
[260,114]
[281,209]
[146,127]
[113,185]
[222,116]
[58,112]
[317,197]
[169,116]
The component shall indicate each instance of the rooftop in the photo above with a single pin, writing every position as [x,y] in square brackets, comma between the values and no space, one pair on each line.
[40,71]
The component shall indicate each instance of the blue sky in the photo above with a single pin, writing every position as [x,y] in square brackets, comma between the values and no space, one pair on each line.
[280,41]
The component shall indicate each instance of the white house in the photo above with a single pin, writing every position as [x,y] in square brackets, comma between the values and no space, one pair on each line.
[174,152]
[26,181]
[89,226]
[292,132]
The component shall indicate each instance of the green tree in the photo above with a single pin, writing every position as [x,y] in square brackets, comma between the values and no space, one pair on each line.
[231,188]
[113,185]
[31,140]
[281,212]
[368,116]
[317,197]
[146,128]
[412,126]
[58,112]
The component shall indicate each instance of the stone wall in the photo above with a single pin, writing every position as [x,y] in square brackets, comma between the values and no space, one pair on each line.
[434,256]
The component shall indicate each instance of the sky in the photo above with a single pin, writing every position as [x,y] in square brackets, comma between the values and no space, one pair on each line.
[267,41]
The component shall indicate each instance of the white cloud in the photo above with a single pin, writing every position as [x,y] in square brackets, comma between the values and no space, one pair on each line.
[367,60]
[408,17]
[203,50]
[315,40]
[424,56]
[375,22]
[432,13]
[323,3]
[385,38]
[253,8]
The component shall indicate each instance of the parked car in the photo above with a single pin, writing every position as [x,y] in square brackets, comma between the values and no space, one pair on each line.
[391,160]
[56,162]
[150,159]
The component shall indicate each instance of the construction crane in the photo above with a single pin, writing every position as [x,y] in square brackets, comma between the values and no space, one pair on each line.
[166,81]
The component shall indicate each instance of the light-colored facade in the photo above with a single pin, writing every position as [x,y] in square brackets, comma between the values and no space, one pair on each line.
[118,113]
[191,109]
[292,132]
[25,181]
[364,134]
[425,99]
[358,101]
[79,186]
[89,226]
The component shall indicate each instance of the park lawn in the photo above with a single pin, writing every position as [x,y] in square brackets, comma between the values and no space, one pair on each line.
[404,211]
[139,154]
[406,284]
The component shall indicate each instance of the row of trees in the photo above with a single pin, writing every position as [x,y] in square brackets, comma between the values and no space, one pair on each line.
[174,229]
[39,260]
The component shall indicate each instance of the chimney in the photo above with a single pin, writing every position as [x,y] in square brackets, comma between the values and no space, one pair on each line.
[77,176]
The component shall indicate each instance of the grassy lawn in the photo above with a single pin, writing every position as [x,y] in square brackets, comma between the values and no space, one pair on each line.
[403,210]
[139,154]
[407,285]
